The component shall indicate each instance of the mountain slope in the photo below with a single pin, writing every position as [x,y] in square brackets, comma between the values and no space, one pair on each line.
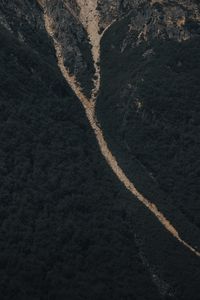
[153,97]
[66,219]
[62,234]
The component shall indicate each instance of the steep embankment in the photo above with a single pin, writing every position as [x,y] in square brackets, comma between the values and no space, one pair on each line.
[90,19]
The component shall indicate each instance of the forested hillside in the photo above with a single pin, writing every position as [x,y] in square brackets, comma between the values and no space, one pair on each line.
[153,97]
[64,222]
[69,229]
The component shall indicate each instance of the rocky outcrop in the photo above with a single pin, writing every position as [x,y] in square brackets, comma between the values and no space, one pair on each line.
[163,19]
[174,20]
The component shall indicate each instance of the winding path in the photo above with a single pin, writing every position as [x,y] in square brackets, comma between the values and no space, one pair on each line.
[90,19]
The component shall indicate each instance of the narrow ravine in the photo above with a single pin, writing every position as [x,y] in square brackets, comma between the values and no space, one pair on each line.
[90,19]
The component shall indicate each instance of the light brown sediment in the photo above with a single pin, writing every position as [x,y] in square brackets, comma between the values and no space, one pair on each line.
[89,106]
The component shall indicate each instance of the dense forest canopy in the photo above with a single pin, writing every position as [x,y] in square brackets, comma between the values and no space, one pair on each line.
[68,228]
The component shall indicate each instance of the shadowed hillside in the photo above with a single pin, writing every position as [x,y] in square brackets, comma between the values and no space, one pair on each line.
[64,228]
[69,229]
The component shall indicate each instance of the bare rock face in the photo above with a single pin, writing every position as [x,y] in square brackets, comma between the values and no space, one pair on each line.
[164,20]
[71,34]
[77,26]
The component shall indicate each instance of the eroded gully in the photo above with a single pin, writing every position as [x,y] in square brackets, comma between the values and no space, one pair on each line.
[90,24]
